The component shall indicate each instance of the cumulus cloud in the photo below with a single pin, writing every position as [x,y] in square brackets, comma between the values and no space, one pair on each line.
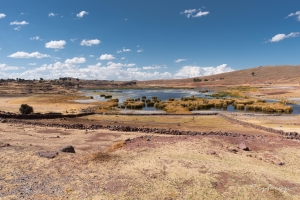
[21,54]
[52,15]
[91,56]
[151,67]
[73,39]
[195,71]
[2,15]
[194,13]
[56,44]
[179,60]
[297,14]
[106,57]
[75,60]
[282,36]
[122,58]
[140,50]
[130,65]
[90,42]
[31,64]
[81,14]
[5,67]
[19,23]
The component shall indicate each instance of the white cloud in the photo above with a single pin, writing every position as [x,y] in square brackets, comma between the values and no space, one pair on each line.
[91,56]
[19,23]
[130,65]
[81,14]
[75,60]
[35,38]
[151,67]
[56,44]
[191,13]
[140,50]
[17,28]
[21,54]
[106,57]
[52,15]
[90,42]
[31,64]
[282,36]
[5,67]
[123,50]
[179,60]
[122,58]
[188,13]
[297,14]
[110,71]
[73,40]
[200,14]
[195,71]
[126,50]
[2,15]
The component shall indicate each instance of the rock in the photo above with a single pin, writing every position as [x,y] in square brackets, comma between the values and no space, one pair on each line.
[68,149]
[3,120]
[243,147]
[281,163]
[5,145]
[212,152]
[51,154]
[232,150]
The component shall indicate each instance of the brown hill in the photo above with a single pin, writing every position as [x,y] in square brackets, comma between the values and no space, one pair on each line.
[258,75]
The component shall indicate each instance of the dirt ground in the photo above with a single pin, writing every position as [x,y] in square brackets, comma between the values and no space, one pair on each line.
[147,167]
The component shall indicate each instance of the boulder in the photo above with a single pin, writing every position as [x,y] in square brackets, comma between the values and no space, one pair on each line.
[244,147]
[51,154]
[68,149]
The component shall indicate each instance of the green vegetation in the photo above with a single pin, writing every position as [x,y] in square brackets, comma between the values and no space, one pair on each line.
[25,109]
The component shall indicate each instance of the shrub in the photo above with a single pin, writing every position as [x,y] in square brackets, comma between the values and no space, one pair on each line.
[25,109]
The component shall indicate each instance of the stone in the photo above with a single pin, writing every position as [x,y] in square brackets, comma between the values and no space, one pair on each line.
[281,163]
[232,150]
[68,149]
[243,147]
[211,152]
[4,145]
[51,154]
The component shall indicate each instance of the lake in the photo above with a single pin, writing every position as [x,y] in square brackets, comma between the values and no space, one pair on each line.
[162,94]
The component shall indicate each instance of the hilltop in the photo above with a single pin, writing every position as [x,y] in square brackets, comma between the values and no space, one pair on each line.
[259,75]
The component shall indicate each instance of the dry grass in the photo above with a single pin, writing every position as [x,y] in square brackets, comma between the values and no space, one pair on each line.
[177,167]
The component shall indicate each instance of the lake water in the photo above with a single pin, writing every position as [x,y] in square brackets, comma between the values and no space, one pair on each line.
[162,94]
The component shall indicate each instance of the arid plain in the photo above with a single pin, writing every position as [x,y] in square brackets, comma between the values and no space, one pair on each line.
[179,155]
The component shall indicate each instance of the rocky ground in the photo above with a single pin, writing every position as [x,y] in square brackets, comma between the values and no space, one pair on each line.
[134,165]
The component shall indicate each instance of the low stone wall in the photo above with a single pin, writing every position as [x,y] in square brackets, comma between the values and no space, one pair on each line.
[289,135]
[41,116]
[128,129]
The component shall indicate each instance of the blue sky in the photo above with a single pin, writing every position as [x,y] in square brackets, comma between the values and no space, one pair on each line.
[143,39]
